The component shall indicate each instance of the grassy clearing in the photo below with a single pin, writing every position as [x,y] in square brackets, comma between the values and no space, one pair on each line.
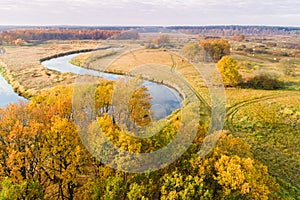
[272,127]
[269,121]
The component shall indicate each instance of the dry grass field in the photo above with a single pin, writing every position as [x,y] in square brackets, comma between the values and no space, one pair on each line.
[22,68]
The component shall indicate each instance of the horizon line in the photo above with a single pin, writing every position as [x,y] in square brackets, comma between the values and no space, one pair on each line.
[135,25]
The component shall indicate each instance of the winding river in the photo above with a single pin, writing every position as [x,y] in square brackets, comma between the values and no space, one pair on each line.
[164,99]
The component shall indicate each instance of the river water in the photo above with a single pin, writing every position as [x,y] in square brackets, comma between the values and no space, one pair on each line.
[164,99]
[7,93]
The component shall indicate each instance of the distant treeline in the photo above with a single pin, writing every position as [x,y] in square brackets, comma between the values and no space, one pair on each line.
[237,30]
[56,34]
[8,34]
[67,27]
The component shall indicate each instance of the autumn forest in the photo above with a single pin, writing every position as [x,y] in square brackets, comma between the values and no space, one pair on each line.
[83,136]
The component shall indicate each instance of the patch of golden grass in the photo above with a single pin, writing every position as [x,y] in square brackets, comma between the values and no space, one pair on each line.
[236,95]
[141,57]
[80,59]
[100,60]
[161,57]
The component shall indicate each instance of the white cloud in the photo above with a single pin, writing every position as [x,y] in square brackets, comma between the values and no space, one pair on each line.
[149,12]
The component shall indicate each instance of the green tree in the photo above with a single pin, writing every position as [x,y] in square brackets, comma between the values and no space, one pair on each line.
[24,190]
[229,70]
[179,186]
[138,191]
[115,188]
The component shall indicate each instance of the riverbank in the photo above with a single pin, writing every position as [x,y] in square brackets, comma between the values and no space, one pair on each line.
[75,52]
[155,65]
[21,65]
[17,87]
[7,93]
[167,83]
[164,99]
[23,69]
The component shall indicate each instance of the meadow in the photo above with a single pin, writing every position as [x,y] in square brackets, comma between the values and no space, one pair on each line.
[264,120]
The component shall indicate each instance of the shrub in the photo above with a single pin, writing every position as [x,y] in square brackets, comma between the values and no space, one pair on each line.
[263,81]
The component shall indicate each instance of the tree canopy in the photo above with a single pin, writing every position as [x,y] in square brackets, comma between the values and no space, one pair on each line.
[42,157]
[229,70]
[217,48]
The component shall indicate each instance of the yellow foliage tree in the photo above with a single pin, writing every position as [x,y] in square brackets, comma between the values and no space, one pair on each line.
[229,70]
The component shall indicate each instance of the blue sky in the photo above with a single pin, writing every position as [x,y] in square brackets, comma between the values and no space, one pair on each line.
[155,12]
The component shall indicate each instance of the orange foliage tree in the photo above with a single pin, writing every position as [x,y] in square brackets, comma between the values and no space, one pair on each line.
[217,48]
